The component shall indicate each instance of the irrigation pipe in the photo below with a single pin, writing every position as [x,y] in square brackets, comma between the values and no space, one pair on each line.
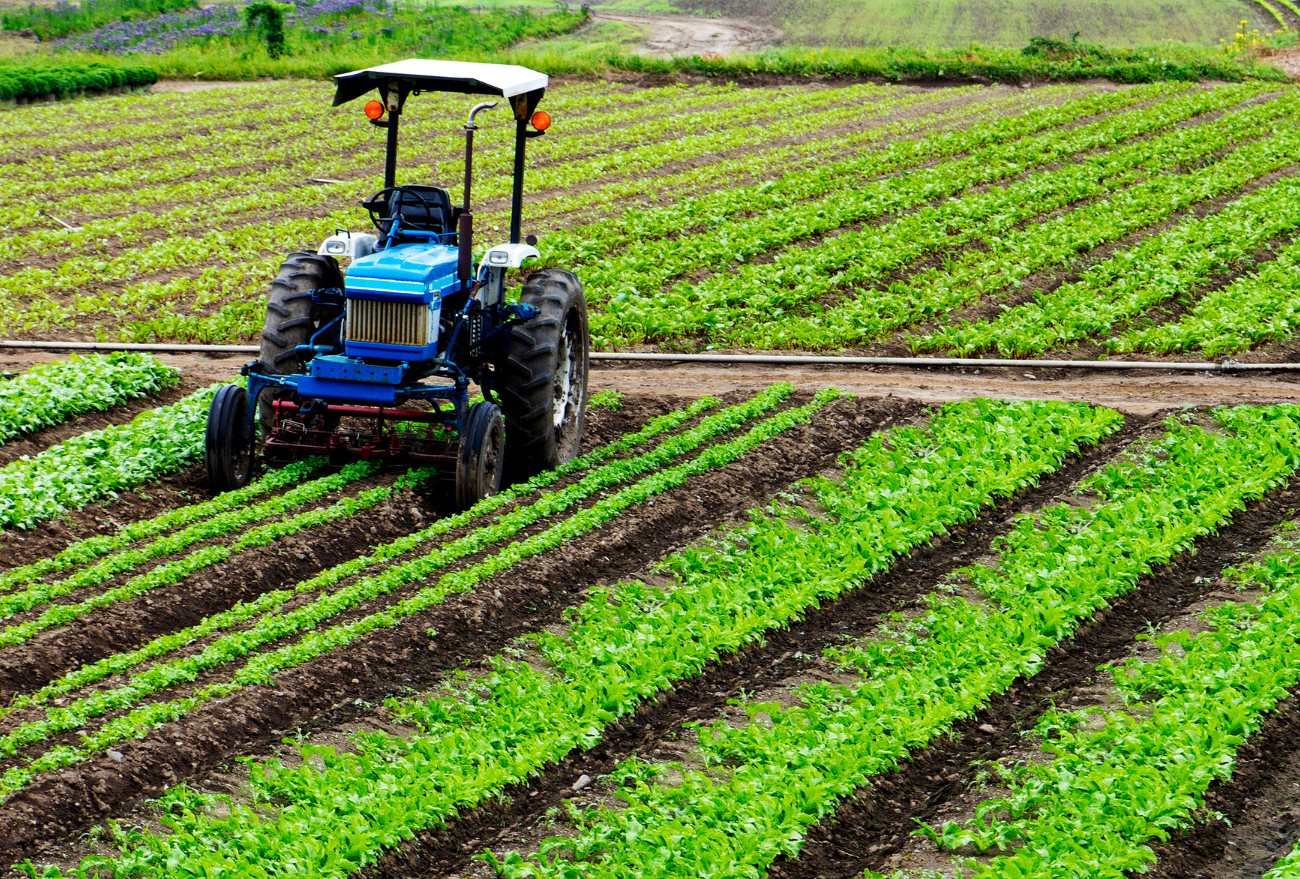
[770,359]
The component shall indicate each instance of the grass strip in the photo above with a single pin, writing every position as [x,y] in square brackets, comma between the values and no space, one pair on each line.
[219,525]
[271,601]
[91,548]
[1146,771]
[51,393]
[175,571]
[99,463]
[772,780]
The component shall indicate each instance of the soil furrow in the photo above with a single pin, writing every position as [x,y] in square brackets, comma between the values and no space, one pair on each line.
[468,627]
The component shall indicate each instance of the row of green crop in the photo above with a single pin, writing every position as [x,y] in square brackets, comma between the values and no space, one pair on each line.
[1144,772]
[219,528]
[272,600]
[356,152]
[99,463]
[51,393]
[625,644]
[1055,570]
[1113,186]
[277,621]
[605,253]
[1262,306]
[627,285]
[1144,276]
[46,309]
[91,548]
[994,271]
[103,190]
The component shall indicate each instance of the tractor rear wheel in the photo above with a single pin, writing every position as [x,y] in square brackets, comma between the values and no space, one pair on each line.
[543,383]
[292,318]
[478,466]
[228,448]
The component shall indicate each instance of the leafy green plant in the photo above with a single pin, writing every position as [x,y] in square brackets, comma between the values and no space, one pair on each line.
[48,394]
[100,463]
[267,20]
[609,399]
[1054,570]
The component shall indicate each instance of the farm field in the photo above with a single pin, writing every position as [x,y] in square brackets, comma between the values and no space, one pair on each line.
[902,623]
[948,23]
[1075,220]
[768,631]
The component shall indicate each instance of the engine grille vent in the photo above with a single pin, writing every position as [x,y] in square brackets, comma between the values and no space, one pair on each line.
[388,323]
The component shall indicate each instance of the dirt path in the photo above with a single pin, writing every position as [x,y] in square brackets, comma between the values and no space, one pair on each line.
[685,35]
[1136,393]
[1133,393]
[1288,60]
[186,85]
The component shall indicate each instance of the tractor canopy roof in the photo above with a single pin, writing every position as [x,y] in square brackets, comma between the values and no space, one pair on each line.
[419,74]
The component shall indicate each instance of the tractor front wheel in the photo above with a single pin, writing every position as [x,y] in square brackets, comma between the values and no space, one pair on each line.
[543,384]
[478,466]
[228,444]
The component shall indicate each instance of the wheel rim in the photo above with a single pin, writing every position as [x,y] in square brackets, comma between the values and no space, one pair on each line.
[565,367]
[241,461]
[491,457]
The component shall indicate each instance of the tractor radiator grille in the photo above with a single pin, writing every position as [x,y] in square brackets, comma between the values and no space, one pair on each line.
[388,323]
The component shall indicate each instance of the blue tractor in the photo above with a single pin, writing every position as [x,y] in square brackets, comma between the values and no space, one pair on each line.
[377,362]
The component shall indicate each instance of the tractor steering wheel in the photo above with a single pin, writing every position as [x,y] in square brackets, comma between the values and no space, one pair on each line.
[374,206]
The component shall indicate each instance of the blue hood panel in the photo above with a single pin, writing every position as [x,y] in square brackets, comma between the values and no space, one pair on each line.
[406,273]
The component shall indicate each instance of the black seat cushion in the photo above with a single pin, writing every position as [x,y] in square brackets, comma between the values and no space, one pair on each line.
[436,217]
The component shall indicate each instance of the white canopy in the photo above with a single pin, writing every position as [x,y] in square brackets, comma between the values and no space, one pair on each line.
[464,77]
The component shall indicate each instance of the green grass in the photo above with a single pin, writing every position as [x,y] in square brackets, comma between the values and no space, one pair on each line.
[1006,23]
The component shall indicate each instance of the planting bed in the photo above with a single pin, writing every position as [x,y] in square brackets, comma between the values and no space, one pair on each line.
[880,219]
[770,631]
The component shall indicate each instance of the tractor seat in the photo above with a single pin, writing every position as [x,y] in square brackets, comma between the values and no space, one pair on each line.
[437,217]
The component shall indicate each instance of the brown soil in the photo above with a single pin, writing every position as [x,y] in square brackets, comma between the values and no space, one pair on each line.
[686,35]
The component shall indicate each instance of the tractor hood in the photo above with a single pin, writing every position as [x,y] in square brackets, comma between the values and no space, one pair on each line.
[394,298]
[405,273]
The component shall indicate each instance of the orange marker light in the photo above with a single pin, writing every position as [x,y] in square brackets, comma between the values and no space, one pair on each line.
[374,109]
[541,120]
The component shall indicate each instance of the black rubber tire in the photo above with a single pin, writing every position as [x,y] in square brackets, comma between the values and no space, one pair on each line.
[544,414]
[292,318]
[482,447]
[228,449]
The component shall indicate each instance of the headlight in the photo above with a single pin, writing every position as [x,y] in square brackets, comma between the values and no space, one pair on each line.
[498,258]
[336,247]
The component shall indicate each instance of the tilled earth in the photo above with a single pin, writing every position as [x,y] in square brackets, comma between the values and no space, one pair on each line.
[336,694]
